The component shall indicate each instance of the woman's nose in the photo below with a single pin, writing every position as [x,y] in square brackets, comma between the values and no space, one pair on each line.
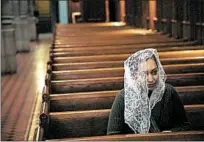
[150,78]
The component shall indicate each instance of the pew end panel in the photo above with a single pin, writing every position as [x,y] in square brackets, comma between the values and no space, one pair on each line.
[85,124]
[196,116]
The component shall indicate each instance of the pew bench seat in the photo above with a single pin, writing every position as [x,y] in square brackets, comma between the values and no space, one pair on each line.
[94,122]
[172,136]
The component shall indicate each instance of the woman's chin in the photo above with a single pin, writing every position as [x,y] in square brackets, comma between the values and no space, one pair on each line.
[150,89]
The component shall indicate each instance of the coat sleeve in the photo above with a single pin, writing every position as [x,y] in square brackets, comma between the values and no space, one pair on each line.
[116,117]
[180,120]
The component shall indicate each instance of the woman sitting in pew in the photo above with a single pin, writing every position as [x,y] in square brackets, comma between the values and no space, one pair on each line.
[146,104]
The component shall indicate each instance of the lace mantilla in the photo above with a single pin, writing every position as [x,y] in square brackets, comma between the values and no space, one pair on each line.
[138,105]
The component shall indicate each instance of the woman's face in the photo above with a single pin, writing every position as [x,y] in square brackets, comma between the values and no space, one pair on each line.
[151,70]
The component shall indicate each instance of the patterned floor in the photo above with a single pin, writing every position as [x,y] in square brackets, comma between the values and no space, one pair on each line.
[19,90]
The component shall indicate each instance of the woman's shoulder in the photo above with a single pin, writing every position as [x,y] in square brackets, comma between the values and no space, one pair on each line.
[120,95]
[170,90]
[169,87]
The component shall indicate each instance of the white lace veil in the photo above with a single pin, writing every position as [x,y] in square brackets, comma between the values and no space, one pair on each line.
[138,105]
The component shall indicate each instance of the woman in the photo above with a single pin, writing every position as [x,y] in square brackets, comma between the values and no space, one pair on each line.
[147,103]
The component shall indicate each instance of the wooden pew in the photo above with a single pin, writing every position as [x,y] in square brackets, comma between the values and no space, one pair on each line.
[105,35]
[68,52]
[173,136]
[115,64]
[94,122]
[110,38]
[176,55]
[119,72]
[114,83]
[159,46]
[89,43]
[104,99]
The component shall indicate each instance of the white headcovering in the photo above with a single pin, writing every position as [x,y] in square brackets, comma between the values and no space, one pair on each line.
[137,104]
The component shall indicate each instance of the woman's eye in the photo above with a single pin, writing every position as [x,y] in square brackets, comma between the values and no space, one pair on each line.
[154,72]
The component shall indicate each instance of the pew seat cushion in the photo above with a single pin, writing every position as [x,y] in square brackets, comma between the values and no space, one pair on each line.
[169,114]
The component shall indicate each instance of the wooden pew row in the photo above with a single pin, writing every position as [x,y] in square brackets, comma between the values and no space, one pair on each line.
[110,38]
[104,99]
[106,35]
[67,52]
[127,33]
[94,122]
[161,47]
[78,29]
[173,136]
[119,72]
[115,83]
[174,55]
[113,64]
[88,42]
[124,32]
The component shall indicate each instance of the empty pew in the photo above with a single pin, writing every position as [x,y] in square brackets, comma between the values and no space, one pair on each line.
[101,40]
[94,122]
[105,35]
[173,136]
[104,99]
[114,83]
[72,51]
[159,46]
[119,72]
[176,55]
[115,64]
[89,43]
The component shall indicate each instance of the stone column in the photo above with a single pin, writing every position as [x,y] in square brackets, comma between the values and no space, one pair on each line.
[22,33]
[8,48]
[7,8]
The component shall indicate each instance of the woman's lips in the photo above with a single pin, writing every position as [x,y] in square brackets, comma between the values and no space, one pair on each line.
[151,85]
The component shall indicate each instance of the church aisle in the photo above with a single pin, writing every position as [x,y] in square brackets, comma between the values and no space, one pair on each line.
[20,90]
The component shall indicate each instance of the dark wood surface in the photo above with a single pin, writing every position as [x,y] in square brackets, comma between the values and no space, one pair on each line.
[104,99]
[94,122]
[175,136]
[72,51]
[119,72]
[176,46]
[115,64]
[114,83]
[174,55]
[76,49]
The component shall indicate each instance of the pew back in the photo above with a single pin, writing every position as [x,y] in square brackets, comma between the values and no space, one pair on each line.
[94,122]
